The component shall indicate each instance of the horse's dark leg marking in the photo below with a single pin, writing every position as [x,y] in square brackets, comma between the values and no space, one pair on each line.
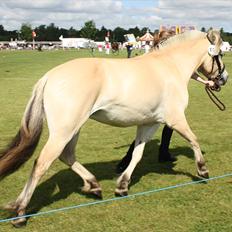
[123,164]
[164,154]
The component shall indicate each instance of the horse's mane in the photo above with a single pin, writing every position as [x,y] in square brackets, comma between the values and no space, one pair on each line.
[179,38]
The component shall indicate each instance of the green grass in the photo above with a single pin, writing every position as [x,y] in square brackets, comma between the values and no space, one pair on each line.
[200,207]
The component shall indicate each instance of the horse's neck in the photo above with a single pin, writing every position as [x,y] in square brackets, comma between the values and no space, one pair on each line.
[193,57]
[188,57]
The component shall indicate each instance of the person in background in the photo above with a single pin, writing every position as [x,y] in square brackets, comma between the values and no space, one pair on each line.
[129,48]
[147,47]
[100,48]
[107,47]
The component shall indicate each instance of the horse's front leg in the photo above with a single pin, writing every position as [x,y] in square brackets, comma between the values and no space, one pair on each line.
[144,134]
[182,127]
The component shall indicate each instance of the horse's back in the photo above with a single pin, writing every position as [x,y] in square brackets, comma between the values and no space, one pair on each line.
[119,92]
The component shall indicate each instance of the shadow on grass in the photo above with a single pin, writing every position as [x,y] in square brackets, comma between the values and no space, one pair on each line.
[66,182]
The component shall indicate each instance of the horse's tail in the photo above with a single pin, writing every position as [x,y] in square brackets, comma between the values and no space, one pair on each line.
[24,143]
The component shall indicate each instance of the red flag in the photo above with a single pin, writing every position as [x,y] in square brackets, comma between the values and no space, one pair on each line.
[33,34]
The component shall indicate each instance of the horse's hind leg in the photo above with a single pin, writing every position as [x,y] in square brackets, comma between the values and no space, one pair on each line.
[49,153]
[182,127]
[68,157]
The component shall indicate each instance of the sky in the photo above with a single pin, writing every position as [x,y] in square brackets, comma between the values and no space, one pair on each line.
[114,13]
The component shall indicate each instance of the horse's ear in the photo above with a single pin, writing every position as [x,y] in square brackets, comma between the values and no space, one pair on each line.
[214,37]
[216,41]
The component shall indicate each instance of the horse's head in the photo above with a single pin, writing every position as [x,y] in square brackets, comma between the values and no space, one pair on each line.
[162,36]
[213,67]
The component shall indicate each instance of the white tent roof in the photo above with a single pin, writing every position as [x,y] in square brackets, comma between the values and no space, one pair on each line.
[146,37]
[225,47]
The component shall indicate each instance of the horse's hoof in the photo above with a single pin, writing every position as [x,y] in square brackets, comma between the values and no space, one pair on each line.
[121,193]
[18,223]
[97,194]
[204,175]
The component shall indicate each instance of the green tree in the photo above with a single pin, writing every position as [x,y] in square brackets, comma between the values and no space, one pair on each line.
[73,32]
[144,30]
[135,31]
[26,32]
[89,30]
[64,32]
[101,34]
[2,31]
[119,34]
[52,32]
[41,34]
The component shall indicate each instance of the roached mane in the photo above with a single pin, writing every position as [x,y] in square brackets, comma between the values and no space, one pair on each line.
[176,39]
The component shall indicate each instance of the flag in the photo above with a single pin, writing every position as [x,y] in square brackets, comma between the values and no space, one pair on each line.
[33,34]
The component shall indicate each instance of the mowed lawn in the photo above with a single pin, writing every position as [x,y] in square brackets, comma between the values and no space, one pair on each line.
[198,207]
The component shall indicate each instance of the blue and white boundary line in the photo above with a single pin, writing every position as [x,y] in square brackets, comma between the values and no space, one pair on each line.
[115,198]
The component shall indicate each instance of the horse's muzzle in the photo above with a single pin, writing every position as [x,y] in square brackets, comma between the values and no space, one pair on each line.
[223,78]
[219,81]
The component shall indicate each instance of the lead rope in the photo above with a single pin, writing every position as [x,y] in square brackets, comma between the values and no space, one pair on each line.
[215,99]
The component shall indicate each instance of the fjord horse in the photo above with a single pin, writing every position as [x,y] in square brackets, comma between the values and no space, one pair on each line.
[109,91]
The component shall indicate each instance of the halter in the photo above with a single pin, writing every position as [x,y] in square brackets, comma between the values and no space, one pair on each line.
[218,80]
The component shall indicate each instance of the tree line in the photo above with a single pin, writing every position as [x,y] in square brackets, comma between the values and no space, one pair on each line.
[89,30]
[52,32]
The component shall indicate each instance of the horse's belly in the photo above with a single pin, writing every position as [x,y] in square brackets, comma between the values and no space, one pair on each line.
[124,117]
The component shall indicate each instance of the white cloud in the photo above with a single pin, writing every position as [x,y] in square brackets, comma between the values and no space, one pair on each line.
[64,5]
[113,13]
[64,13]
[195,4]
[28,4]
[207,13]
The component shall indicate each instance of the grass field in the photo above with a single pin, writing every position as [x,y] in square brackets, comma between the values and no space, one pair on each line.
[199,207]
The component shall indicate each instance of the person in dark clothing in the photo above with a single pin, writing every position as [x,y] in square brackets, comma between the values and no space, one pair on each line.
[129,48]
[164,154]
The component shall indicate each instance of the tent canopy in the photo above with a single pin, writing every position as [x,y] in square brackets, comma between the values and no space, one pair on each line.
[146,37]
